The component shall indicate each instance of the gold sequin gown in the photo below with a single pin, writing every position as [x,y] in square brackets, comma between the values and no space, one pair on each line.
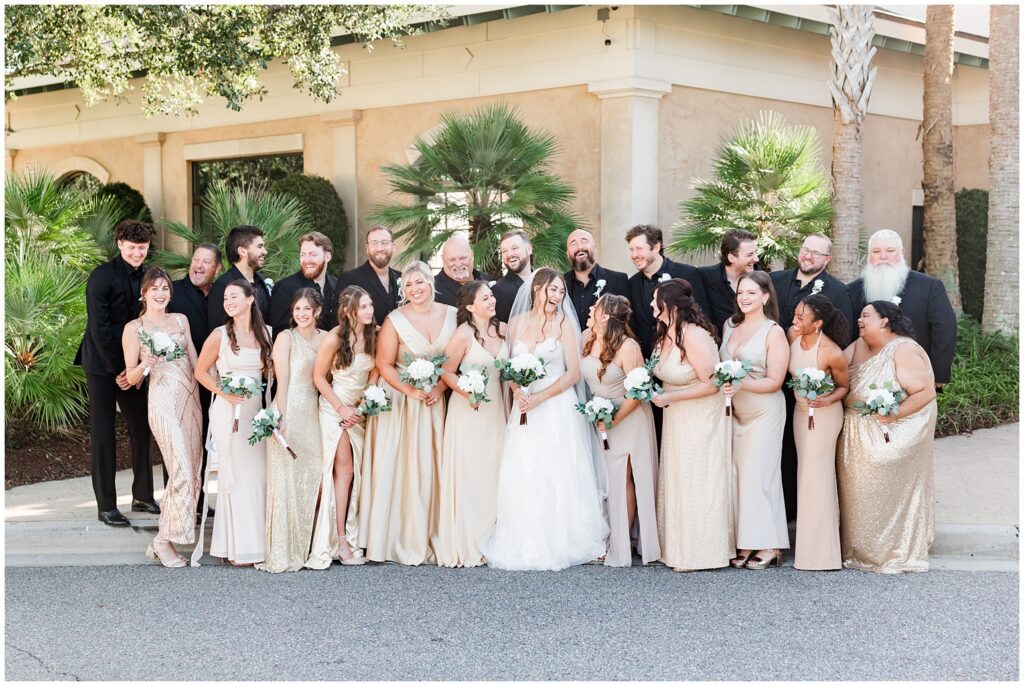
[696,479]
[175,418]
[471,458]
[398,500]
[293,483]
[348,384]
[886,490]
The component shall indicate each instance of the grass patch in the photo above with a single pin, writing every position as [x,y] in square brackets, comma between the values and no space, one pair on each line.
[984,390]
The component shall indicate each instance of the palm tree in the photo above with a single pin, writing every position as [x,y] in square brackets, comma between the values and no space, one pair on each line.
[767,180]
[937,152]
[853,29]
[1001,311]
[485,173]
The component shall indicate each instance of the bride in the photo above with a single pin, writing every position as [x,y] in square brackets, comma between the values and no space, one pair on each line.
[551,483]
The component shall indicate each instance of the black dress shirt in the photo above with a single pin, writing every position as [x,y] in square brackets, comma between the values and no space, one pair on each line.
[789,293]
[641,291]
[284,291]
[364,276]
[583,296]
[505,290]
[446,289]
[192,302]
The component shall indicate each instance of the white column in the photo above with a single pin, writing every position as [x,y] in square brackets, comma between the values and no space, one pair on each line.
[629,161]
[153,177]
[344,174]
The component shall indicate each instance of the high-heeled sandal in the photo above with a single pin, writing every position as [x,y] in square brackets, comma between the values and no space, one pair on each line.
[760,563]
[176,561]
[741,560]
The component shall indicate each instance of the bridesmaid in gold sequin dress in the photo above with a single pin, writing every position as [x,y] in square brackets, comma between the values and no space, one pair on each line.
[473,438]
[174,414]
[886,490]
[398,502]
[695,484]
[609,353]
[344,368]
[293,483]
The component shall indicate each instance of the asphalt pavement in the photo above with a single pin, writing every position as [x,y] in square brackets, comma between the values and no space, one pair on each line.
[388,622]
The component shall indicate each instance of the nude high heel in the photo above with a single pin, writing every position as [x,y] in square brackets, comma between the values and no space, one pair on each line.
[775,559]
[176,561]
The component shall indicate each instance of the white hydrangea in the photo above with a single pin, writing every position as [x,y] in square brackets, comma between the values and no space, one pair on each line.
[162,343]
[881,396]
[730,367]
[813,374]
[636,378]
[521,363]
[376,394]
[600,404]
[261,415]
[473,382]
[420,369]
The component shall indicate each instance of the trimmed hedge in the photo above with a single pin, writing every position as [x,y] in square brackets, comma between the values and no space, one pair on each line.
[132,203]
[326,211]
[972,248]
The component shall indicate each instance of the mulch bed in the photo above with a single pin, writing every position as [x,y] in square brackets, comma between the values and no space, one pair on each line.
[33,455]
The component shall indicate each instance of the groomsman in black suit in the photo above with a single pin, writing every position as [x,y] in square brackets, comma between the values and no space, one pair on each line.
[375,276]
[923,298]
[456,270]
[112,300]
[737,256]
[792,286]
[315,250]
[517,256]
[587,280]
[247,253]
[190,300]
[647,250]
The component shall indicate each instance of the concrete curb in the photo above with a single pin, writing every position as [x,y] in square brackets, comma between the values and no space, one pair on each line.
[993,541]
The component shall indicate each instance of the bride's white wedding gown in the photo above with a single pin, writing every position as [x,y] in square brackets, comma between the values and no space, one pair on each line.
[549,508]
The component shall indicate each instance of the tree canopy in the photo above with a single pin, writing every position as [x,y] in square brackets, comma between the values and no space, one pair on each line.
[191,52]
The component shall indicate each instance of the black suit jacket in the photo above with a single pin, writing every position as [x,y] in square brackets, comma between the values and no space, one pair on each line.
[110,303]
[641,290]
[789,294]
[191,302]
[281,302]
[446,289]
[367,279]
[505,291]
[721,296]
[215,298]
[924,300]
[583,296]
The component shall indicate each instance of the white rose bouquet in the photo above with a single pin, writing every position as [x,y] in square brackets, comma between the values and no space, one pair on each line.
[730,371]
[474,382]
[240,384]
[639,382]
[375,401]
[161,345]
[882,400]
[265,424]
[422,373]
[599,409]
[522,370]
[811,383]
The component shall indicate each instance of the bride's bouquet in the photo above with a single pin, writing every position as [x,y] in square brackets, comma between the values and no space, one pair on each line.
[884,400]
[422,372]
[522,370]
[474,382]
[730,371]
[811,383]
[265,424]
[161,345]
[639,382]
[599,409]
[240,384]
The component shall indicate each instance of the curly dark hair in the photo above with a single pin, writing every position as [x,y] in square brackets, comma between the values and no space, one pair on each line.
[899,323]
[834,324]
[675,296]
[464,298]
[348,312]
[310,295]
[150,277]
[134,231]
[259,329]
[764,282]
[616,330]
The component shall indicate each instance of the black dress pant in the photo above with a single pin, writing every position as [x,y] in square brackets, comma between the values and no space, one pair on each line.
[789,457]
[103,394]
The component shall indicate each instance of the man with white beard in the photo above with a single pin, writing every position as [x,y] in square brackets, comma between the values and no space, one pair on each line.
[456,270]
[921,297]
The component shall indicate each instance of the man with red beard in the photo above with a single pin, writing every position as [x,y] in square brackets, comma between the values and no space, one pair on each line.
[921,297]
[587,280]
[375,276]
[315,251]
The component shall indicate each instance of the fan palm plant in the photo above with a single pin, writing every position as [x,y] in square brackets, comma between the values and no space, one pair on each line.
[767,180]
[485,173]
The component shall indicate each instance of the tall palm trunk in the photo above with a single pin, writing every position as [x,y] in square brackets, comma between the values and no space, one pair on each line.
[479,227]
[1001,288]
[937,151]
[853,29]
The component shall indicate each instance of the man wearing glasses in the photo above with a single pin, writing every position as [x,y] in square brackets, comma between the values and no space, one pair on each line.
[375,276]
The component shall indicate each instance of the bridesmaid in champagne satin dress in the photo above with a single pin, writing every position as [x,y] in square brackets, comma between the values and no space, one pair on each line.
[293,483]
[398,502]
[342,373]
[175,417]
[473,435]
[887,490]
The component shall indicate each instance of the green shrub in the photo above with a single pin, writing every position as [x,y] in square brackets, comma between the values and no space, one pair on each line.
[326,211]
[984,390]
[972,248]
[133,205]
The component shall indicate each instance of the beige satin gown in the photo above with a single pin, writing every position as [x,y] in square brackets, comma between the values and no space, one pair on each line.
[817,519]
[886,490]
[175,418]
[398,501]
[758,422]
[632,442]
[348,385]
[470,462]
[696,480]
[239,529]
[293,483]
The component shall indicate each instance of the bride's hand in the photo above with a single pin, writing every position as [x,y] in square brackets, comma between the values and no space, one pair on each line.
[522,400]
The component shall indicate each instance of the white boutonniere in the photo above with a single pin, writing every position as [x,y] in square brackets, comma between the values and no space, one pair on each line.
[490,284]
[665,277]
[896,300]
[601,283]
[269,283]
[818,285]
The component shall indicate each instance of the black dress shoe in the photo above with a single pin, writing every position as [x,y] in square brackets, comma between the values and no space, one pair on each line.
[142,506]
[114,518]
